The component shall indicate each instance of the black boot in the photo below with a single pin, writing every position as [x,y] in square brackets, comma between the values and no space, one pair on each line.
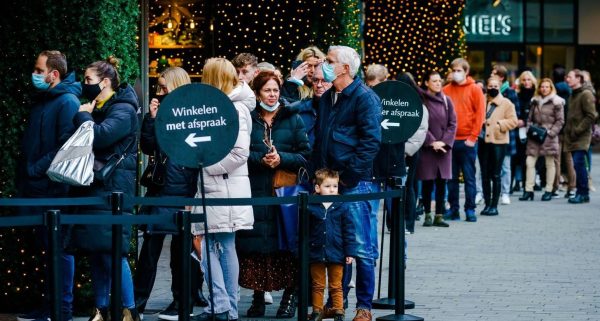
[485,211]
[547,196]
[528,196]
[199,298]
[257,309]
[492,211]
[287,306]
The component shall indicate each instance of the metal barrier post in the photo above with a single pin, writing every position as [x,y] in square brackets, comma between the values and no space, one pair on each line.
[205,221]
[184,226]
[52,223]
[396,254]
[116,200]
[399,239]
[303,239]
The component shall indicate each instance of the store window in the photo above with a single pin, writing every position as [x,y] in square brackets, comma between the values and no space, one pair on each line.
[176,35]
[533,15]
[558,21]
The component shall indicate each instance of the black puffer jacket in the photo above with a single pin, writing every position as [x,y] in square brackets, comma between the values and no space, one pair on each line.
[290,139]
[49,125]
[115,129]
[179,180]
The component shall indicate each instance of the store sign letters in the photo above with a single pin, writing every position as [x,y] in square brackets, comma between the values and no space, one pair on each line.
[486,25]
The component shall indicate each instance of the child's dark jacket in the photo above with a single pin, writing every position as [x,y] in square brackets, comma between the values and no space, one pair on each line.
[332,233]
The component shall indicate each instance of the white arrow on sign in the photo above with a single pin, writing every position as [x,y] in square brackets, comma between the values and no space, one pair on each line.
[192,139]
[386,122]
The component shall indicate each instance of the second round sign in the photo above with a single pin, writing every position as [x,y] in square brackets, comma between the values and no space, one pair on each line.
[195,124]
[402,111]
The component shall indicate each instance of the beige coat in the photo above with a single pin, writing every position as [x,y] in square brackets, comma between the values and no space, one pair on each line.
[229,177]
[502,120]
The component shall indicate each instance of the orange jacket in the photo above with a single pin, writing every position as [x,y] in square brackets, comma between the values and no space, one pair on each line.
[469,105]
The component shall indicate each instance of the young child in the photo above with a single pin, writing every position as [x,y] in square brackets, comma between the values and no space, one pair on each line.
[332,244]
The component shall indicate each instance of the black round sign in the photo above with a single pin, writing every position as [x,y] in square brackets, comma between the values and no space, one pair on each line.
[402,111]
[195,124]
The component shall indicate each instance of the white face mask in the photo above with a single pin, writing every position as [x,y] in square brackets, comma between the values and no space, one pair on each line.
[458,76]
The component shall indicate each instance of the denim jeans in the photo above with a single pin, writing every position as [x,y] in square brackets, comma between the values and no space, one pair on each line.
[375,188]
[225,271]
[367,251]
[506,175]
[365,282]
[463,159]
[580,162]
[101,266]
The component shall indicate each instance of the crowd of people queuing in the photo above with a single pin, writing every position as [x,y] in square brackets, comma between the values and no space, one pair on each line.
[321,117]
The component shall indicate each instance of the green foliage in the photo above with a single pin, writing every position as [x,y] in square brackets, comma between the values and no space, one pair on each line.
[338,23]
[86,31]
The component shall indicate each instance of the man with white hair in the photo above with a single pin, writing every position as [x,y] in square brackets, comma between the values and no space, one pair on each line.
[347,140]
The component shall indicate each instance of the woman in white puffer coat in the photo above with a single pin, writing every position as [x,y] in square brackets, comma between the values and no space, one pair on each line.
[226,179]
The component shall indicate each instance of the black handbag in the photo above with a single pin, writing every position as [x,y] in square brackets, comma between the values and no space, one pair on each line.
[155,172]
[103,170]
[537,134]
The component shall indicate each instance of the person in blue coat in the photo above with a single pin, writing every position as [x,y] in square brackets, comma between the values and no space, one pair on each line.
[347,140]
[55,102]
[332,245]
[113,108]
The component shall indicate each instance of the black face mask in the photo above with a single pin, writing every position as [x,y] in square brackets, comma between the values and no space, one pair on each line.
[90,92]
[493,92]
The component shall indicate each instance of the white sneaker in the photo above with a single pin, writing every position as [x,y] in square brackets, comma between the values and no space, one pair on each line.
[268,298]
[351,284]
[478,198]
[505,199]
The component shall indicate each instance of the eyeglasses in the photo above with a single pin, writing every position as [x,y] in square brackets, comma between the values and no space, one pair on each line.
[319,81]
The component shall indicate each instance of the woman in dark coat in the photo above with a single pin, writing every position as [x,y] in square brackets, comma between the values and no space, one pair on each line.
[179,181]
[435,165]
[547,112]
[278,141]
[112,108]
[525,91]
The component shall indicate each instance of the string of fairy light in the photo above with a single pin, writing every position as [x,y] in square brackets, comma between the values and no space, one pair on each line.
[414,36]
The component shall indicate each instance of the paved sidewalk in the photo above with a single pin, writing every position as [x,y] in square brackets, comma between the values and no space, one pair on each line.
[535,261]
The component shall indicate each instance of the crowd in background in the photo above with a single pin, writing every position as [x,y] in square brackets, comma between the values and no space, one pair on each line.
[496,137]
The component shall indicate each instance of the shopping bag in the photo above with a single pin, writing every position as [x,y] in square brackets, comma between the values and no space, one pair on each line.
[288,219]
[74,161]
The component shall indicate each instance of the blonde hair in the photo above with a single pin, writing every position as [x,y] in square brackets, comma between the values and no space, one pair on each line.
[552,87]
[308,52]
[530,74]
[377,72]
[460,62]
[220,73]
[174,77]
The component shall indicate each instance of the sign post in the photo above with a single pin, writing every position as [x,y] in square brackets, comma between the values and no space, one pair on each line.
[197,126]
[402,112]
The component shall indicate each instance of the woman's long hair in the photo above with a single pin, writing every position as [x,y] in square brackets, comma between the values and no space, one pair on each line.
[220,73]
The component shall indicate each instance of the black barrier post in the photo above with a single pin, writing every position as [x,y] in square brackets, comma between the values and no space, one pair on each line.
[399,239]
[184,226]
[396,254]
[52,222]
[205,221]
[303,255]
[116,201]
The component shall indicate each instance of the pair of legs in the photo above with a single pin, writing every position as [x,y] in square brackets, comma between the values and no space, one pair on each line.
[225,273]
[148,264]
[491,157]
[581,165]
[366,233]
[334,273]
[463,160]
[440,190]
[101,267]
[550,162]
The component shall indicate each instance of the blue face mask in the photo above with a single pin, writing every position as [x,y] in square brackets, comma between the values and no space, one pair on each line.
[39,81]
[328,72]
[269,108]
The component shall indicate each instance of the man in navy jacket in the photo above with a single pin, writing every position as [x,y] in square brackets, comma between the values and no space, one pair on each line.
[50,124]
[347,140]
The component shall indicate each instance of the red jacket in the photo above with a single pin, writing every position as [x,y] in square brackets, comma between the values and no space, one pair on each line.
[469,105]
